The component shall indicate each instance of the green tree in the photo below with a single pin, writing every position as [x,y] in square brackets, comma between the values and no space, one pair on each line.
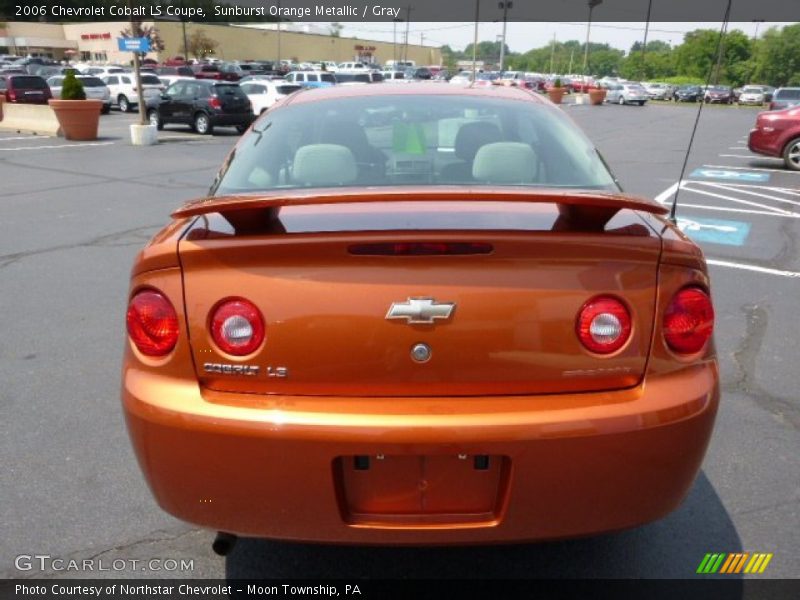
[777,57]
[199,44]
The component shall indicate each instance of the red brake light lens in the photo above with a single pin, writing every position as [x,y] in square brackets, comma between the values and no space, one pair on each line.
[689,321]
[237,326]
[604,325]
[152,323]
[214,102]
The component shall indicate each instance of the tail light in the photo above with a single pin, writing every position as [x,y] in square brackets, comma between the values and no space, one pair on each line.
[237,327]
[420,249]
[214,102]
[604,325]
[152,323]
[12,96]
[689,321]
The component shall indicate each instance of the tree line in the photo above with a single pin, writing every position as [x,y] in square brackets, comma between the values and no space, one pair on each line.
[773,58]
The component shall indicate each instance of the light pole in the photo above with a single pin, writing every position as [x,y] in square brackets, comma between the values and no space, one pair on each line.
[592,4]
[475,42]
[505,5]
[644,46]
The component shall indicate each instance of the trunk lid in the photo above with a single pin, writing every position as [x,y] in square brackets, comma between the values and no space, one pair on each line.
[324,283]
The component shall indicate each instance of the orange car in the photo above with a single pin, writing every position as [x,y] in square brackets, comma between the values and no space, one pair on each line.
[419,315]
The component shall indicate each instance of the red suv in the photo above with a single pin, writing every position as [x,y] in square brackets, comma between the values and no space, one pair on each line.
[777,133]
[25,89]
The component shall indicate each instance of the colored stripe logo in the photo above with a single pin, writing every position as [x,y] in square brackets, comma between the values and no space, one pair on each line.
[738,562]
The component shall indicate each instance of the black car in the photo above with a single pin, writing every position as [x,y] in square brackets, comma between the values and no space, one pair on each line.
[418,73]
[179,71]
[688,93]
[203,105]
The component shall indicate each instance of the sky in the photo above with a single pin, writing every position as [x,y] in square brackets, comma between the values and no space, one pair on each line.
[521,37]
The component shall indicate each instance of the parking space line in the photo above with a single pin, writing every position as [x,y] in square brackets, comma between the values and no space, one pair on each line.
[738,210]
[54,147]
[26,137]
[723,186]
[759,156]
[737,200]
[754,168]
[771,188]
[754,268]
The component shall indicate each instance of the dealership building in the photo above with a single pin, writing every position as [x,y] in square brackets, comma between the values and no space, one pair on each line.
[97,42]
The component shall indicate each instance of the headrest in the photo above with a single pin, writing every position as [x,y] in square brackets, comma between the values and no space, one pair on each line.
[324,164]
[472,136]
[505,162]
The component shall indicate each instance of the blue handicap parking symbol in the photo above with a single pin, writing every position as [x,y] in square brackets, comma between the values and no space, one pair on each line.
[715,231]
[705,173]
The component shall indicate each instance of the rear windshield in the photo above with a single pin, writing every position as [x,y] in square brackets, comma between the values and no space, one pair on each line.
[788,94]
[287,89]
[29,83]
[414,140]
[91,82]
[230,90]
[150,80]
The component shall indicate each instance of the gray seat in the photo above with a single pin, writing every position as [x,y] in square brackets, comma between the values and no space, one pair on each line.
[505,163]
[469,139]
[320,165]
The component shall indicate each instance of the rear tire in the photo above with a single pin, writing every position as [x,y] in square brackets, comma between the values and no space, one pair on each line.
[106,109]
[124,104]
[641,103]
[202,124]
[155,119]
[791,155]
[242,128]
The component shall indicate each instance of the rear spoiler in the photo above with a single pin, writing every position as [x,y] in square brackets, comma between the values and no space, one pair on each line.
[588,207]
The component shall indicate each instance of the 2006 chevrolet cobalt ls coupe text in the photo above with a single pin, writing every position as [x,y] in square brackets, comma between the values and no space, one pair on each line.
[419,315]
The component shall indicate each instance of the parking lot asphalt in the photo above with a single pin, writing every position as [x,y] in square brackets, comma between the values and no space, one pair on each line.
[73,215]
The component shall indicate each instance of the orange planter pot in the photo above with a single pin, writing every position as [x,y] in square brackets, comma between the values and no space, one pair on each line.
[79,119]
[556,94]
[597,96]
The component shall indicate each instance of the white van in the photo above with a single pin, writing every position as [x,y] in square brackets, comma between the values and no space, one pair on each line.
[398,65]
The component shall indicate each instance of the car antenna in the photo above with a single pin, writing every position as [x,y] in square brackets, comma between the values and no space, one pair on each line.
[722,32]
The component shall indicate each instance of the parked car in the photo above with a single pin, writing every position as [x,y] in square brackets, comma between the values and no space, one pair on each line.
[752,94]
[462,78]
[103,71]
[343,78]
[784,98]
[543,363]
[93,87]
[777,134]
[688,93]
[420,73]
[203,105]
[394,76]
[175,71]
[263,94]
[626,93]
[311,79]
[124,94]
[718,94]
[24,89]
[657,91]
[218,71]
[351,67]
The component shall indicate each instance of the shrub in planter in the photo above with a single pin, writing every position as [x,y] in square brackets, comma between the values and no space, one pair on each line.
[78,117]
[556,93]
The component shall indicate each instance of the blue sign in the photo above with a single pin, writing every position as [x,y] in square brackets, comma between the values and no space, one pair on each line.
[134,44]
[706,173]
[715,231]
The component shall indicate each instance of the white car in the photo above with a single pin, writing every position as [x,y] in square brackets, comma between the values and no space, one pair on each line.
[752,94]
[462,78]
[394,76]
[352,67]
[263,94]
[103,71]
[124,93]
[311,79]
[93,87]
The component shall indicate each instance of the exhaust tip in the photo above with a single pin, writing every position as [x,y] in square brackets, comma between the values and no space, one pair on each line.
[223,543]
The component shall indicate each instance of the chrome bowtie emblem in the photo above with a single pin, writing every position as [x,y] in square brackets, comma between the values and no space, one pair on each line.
[420,310]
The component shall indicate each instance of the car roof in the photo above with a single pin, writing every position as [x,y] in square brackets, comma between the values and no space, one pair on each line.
[414,89]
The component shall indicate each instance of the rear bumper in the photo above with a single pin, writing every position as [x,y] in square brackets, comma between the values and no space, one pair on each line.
[766,143]
[571,465]
[223,119]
